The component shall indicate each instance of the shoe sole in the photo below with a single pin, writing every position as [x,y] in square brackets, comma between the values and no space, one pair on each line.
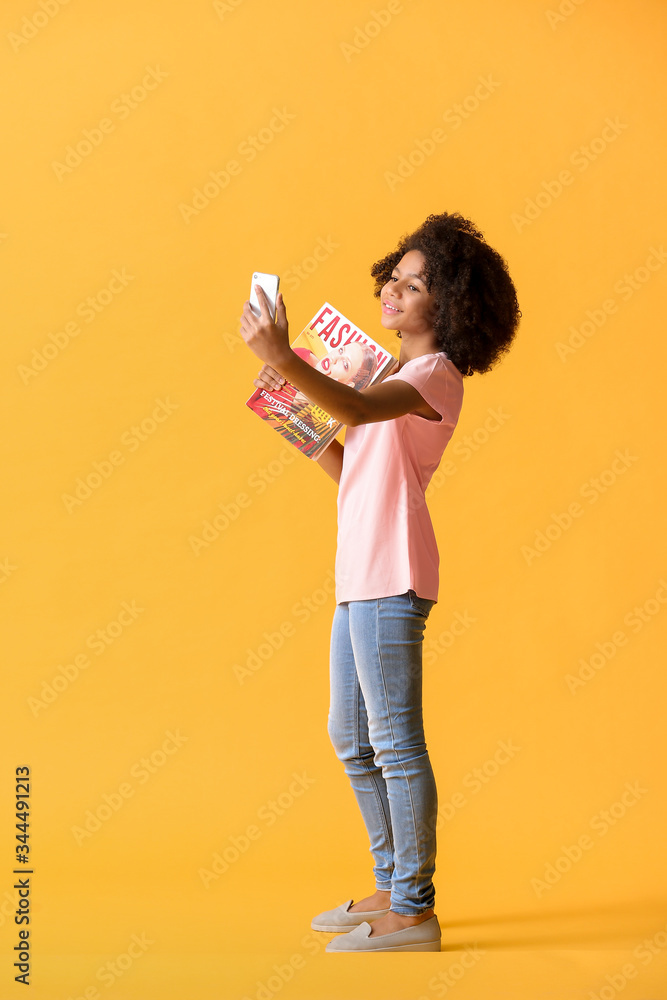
[419,946]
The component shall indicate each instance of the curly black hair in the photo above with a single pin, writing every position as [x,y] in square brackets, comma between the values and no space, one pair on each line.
[478,311]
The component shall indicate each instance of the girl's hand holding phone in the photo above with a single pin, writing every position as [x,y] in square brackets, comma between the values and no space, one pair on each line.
[268,340]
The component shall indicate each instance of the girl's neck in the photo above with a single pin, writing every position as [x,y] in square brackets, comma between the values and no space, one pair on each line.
[416,347]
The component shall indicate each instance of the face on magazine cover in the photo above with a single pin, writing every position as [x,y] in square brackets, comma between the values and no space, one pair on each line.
[347,364]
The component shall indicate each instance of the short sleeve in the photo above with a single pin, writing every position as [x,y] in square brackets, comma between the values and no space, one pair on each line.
[431,377]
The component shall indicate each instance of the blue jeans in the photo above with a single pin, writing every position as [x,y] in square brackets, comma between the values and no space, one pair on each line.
[376,727]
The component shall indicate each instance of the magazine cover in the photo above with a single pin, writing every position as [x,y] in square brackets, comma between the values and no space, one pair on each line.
[332,344]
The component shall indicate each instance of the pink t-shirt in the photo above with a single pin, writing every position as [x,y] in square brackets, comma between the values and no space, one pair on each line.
[386,542]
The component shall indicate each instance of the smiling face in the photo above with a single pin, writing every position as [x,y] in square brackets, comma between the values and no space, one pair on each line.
[343,363]
[407,304]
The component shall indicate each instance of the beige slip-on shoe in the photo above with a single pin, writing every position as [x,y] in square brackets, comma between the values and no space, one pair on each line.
[340,918]
[425,936]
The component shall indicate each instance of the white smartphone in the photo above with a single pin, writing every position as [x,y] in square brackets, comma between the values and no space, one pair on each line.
[269,282]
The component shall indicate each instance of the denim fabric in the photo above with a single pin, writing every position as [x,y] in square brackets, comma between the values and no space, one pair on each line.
[376,728]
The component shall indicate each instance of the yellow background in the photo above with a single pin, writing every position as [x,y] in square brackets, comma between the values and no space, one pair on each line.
[170,334]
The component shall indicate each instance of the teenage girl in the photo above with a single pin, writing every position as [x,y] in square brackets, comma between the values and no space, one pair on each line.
[449,297]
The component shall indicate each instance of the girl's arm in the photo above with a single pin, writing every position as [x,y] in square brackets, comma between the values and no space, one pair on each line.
[351,406]
[270,342]
[331,460]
